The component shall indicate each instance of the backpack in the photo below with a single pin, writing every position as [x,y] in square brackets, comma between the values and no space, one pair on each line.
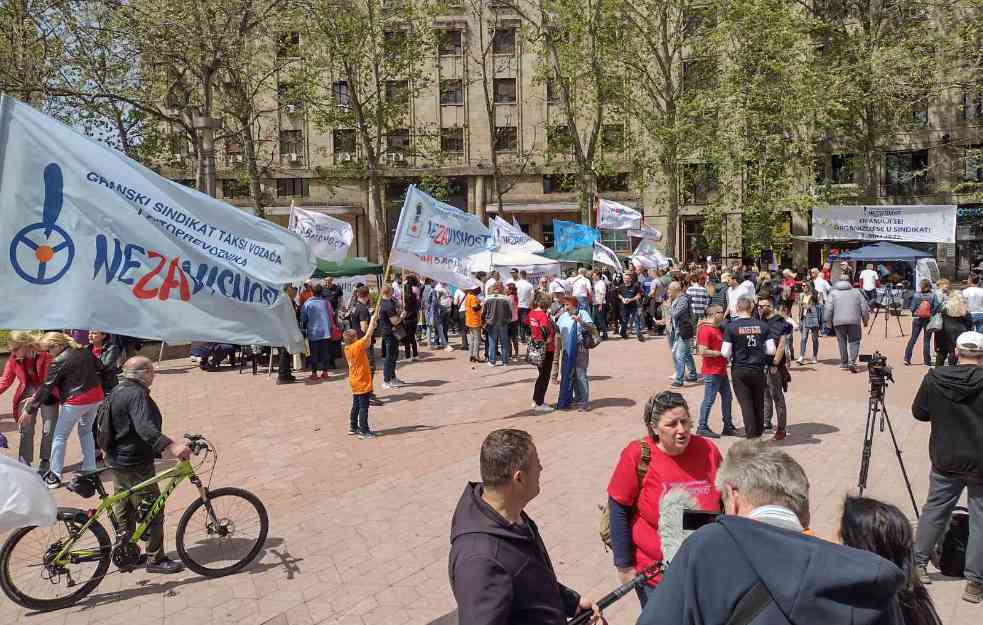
[587,339]
[105,434]
[924,310]
[684,327]
[952,554]
[604,527]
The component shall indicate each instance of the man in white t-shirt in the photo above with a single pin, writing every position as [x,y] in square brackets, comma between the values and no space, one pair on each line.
[490,282]
[600,304]
[974,299]
[580,287]
[525,293]
[513,276]
[822,288]
[868,282]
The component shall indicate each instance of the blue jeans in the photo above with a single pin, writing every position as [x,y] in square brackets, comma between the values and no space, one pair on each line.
[583,303]
[581,387]
[69,416]
[977,321]
[682,358]
[627,314]
[815,342]
[440,330]
[713,384]
[823,329]
[390,351]
[498,343]
[358,421]
[917,327]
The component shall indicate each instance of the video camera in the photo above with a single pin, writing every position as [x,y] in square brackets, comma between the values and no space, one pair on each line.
[879,372]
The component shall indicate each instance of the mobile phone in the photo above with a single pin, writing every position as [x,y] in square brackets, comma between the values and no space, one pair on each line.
[695,519]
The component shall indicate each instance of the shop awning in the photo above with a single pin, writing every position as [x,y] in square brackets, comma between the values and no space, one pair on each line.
[881,252]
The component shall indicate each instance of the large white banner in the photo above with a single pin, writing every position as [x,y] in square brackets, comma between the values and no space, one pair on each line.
[509,237]
[647,255]
[349,283]
[328,237]
[429,227]
[916,223]
[606,256]
[453,270]
[96,240]
[615,216]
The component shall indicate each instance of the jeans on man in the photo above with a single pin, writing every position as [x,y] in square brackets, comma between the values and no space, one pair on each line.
[358,421]
[473,342]
[126,478]
[917,327]
[627,315]
[498,341]
[713,384]
[977,321]
[823,328]
[49,417]
[848,338]
[583,303]
[390,351]
[682,358]
[943,495]
[775,398]
[601,319]
[69,416]
[581,386]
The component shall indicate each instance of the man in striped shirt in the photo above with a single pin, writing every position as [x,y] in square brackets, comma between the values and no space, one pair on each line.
[699,299]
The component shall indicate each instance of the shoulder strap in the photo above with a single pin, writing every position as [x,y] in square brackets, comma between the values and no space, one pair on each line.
[750,606]
[643,465]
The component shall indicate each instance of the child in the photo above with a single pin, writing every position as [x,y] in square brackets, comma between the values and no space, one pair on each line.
[360,377]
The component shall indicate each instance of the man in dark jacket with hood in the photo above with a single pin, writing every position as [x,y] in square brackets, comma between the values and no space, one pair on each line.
[499,569]
[951,399]
[756,565]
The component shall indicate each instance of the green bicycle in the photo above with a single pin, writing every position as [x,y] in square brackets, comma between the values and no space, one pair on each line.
[55,567]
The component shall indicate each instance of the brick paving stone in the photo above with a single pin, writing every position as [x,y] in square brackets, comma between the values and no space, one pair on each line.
[359,529]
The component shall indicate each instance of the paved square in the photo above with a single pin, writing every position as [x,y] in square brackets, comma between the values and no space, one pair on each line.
[359,529]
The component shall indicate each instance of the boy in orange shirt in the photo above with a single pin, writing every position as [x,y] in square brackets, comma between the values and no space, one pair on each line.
[472,319]
[360,377]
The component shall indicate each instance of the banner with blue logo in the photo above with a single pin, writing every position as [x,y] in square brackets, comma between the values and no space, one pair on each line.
[97,241]
[569,235]
[509,237]
[428,227]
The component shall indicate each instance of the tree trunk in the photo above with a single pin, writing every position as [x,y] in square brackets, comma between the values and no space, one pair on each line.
[588,196]
[249,147]
[670,170]
[377,216]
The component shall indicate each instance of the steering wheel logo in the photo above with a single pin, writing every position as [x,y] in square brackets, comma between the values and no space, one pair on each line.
[42,253]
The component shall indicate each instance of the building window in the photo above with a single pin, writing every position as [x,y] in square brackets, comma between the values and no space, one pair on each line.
[617,240]
[559,183]
[842,168]
[452,140]
[906,173]
[289,97]
[613,182]
[291,142]
[506,138]
[288,46]
[452,91]
[235,188]
[292,187]
[394,43]
[699,181]
[344,140]
[398,91]
[504,90]
[342,97]
[919,115]
[398,141]
[553,95]
[503,41]
[559,139]
[233,153]
[971,108]
[973,163]
[613,137]
[548,239]
[450,43]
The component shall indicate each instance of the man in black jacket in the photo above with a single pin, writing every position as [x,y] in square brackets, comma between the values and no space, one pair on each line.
[499,569]
[951,399]
[137,441]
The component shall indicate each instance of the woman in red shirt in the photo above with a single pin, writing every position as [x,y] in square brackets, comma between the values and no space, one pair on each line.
[542,330]
[28,366]
[74,378]
[678,460]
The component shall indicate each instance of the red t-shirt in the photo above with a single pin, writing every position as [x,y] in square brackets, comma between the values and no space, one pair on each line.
[92,396]
[542,328]
[711,337]
[695,470]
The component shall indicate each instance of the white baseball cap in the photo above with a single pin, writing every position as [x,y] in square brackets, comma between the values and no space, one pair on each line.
[970,343]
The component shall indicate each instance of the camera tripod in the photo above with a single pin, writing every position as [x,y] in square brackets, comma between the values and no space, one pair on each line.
[876,409]
[888,313]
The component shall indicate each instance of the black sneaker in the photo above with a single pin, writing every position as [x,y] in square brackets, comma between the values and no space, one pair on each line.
[367,435]
[375,401]
[52,481]
[352,432]
[165,566]
[707,433]
[768,427]
[730,432]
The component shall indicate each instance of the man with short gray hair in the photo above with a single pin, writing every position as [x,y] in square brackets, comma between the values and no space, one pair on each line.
[765,484]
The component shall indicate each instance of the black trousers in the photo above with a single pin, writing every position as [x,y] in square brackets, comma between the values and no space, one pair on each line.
[283,371]
[543,381]
[749,387]
[409,344]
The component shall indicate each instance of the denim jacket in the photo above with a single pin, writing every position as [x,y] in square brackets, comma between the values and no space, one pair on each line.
[317,319]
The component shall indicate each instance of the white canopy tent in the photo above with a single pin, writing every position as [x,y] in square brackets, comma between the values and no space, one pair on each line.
[532,264]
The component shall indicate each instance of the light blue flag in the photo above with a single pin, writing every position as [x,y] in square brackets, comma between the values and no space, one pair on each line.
[569,235]
[428,227]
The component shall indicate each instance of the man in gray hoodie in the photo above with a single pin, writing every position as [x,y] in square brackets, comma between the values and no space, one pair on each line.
[846,308]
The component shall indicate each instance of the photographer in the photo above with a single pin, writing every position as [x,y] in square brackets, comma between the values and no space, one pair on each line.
[950,398]
[761,568]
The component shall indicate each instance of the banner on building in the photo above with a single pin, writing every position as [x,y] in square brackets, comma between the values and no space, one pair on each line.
[510,237]
[452,270]
[606,256]
[328,237]
[429,227]
[648,256]
[96,240]
[569,235]
[617,216]
[916,223]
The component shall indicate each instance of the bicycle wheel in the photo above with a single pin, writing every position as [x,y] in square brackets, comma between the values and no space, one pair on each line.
[29,581]
[216,550]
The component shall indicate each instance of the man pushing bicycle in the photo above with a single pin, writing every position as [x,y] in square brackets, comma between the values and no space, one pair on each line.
[137,440]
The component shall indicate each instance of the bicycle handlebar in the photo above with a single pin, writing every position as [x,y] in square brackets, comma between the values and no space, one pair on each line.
[197,443]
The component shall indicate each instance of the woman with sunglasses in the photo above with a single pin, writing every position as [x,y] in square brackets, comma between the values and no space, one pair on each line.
[675,458]
[73,377]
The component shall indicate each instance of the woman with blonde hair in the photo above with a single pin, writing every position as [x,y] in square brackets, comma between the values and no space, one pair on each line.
[28,366]
[74,380]
[955,320]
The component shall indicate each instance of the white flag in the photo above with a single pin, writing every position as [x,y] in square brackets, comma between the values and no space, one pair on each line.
[646,231]
[452,270]
[427,227]
[606,256]
[98,241]
[648,256]
[511,238]
[328,237]
[615,216]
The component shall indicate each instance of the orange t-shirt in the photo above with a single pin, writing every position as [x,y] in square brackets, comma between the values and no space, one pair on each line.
[359,374]
[472,319]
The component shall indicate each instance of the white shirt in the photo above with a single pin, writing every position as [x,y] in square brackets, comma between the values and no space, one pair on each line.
[524,291]
[443,295]
[868,279]
[559,285]
[459,296]
[600,292]
[580,286]
[489,283]
[397,291]
[822,287]
[974,298]
[743,290]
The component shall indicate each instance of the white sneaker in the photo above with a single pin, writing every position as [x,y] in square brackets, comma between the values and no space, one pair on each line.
[397,383]
[491,364]
[412,358]
[448,349]
[800,361]
[543,408]
[815,362]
